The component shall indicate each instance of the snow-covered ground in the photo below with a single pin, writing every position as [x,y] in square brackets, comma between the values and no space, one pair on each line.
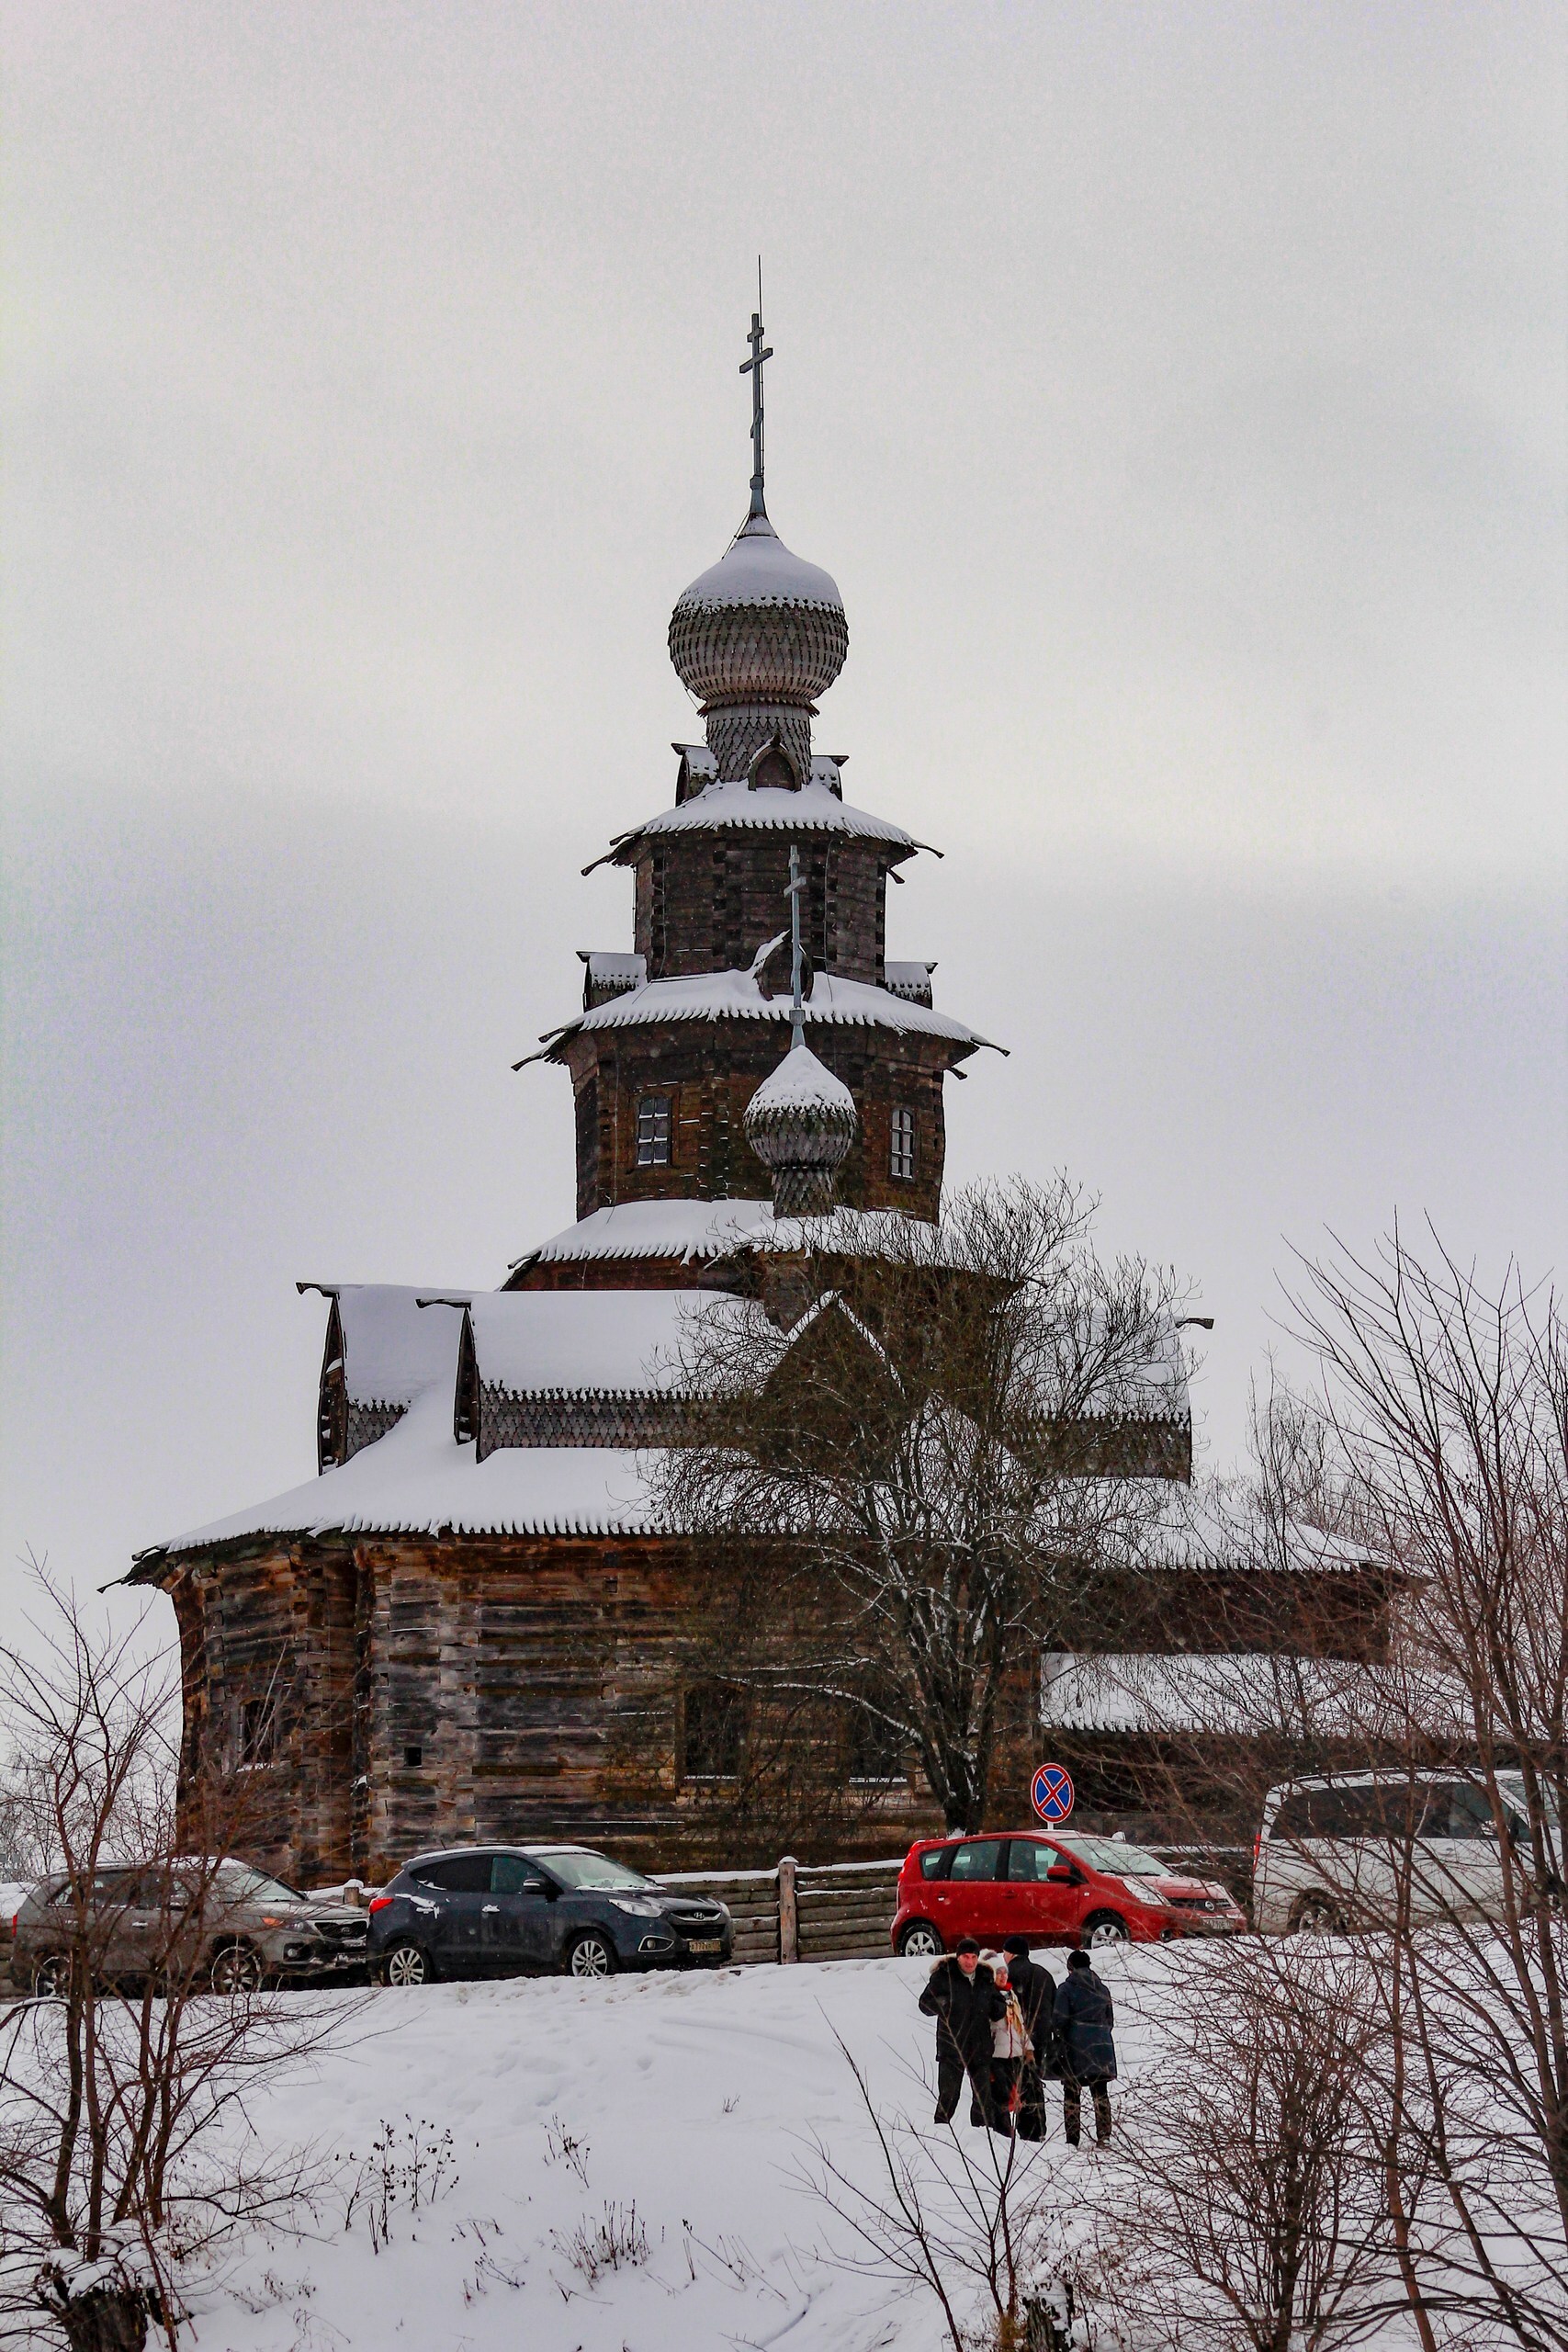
[694,2099]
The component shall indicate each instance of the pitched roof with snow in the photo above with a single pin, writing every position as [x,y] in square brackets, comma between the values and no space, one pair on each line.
[392,1347]
[417,1480]
[587,1342]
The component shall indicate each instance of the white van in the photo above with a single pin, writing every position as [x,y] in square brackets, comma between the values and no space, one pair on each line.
[1333,1854]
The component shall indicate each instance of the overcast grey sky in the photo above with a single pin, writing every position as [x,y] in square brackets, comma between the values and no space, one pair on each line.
[1176,394]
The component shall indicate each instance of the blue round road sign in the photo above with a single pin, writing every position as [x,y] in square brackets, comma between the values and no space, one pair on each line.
[1051,1792]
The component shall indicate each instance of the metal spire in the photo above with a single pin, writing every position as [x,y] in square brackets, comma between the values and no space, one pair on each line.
[753,368]
[797,957]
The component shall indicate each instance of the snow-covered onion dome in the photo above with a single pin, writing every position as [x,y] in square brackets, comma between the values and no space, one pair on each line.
[757,638]
[801,1123]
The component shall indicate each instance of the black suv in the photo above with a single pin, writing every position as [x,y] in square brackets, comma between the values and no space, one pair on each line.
[502,1909]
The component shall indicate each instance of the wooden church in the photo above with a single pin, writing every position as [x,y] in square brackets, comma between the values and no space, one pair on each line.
[472,1624]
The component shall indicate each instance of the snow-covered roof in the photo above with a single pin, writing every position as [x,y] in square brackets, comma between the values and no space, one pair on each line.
[607,963]
[735,995]
[417,1480]
[1206,1527]
[757,568]
[909,979]
[691,1231]
[393,1347]
[587,1341]
[815,808]
[1240,1693]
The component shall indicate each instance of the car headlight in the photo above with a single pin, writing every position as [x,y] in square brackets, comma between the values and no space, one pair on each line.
[641,1906]
[1148,1893]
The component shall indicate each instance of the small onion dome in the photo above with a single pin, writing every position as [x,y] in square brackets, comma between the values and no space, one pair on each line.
[801,1123]
[759,625]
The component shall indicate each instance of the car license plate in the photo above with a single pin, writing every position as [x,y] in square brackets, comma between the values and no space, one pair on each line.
[708,1943]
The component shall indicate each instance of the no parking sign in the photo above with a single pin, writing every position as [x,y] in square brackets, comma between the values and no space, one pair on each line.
[1051,1792]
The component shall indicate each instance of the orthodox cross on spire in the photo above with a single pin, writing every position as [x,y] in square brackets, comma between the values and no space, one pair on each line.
[753,368]
[797,957]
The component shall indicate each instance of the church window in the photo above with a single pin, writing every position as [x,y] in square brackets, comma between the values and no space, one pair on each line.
[901,1159]
[653,1131]
[255,1732]
[713,1731]
[876,1749]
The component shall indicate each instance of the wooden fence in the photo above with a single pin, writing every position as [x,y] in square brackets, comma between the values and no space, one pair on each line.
[841,1911]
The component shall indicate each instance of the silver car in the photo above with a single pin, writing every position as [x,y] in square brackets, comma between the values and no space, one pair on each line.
[1340,1852]
[230,1929]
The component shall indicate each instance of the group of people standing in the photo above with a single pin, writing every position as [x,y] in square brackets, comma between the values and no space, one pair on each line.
[1005,2025]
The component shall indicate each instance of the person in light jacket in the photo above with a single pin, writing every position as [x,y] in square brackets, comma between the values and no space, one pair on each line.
[1086,2015]
[1011,2047]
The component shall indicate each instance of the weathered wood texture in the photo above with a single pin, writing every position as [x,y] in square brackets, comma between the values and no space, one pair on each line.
[707,901]
[436,1690]
[709,1070]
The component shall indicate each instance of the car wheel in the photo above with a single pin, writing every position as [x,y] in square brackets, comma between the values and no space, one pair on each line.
[1106,1927]
[405,1964]
[236,1969]
[590,1955]
[1314,1915]
[51,1977]
[919,1940]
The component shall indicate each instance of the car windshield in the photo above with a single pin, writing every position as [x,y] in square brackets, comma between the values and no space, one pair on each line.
[593,1873]
[1110,1854]
[253,1886]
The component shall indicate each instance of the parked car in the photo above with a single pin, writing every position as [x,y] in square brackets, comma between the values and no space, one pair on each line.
[504,1910]
[1330,1853]
[1066,1888]
[231,1927]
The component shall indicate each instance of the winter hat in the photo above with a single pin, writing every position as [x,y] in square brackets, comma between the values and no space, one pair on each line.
[965,1943]
[996,1962]
[1078,1959]
[1017,1946]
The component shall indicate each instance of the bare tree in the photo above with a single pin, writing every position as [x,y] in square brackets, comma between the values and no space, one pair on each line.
[121,2138]
[1438,1435]
[900,1482]
[1449,1403]
[1253,2217]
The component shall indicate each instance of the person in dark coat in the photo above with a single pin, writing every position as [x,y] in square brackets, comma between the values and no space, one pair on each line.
[1036,1990]
[1085,2015]
[963,2000]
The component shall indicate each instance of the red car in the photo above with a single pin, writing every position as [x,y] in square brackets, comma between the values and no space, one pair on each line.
[1063,1889]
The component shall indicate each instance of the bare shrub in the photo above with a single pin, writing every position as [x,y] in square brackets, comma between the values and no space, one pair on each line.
[617,2241]
[406,2171]
[122,2147]
[953,2218]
